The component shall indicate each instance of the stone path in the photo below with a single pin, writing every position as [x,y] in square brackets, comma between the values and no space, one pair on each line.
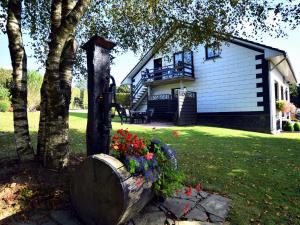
[197,209]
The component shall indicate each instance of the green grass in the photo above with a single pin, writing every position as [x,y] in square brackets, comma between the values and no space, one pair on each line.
[259,172]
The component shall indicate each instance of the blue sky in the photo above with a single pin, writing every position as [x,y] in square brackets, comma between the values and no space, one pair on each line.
[125,62]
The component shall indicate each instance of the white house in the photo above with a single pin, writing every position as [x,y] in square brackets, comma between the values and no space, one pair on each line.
[235,87]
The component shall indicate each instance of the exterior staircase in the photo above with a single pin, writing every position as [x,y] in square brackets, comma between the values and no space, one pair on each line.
[139,92]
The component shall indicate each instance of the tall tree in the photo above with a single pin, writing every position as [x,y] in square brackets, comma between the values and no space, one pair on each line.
[19,81]
[53,138]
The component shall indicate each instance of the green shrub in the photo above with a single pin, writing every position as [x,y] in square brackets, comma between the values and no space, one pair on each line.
[288,126]
[280,104]
[297,126]
[81,95]
[4,105]
[4,93]
[123,99]
[34,81]
[5,77]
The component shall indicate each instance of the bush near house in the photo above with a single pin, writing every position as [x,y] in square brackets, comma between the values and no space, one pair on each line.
[288,126]
[297,126]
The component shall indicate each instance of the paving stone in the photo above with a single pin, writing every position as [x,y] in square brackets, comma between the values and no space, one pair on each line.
[216,205]
[151,208]
[150,218]
[215,219]
[48,222]
[24,223]
[38,216]
[203,194]
[178,206]
[197,214]
[64,217]
[193,197]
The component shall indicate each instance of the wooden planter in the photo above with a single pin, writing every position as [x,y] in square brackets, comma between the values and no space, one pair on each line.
[103,192]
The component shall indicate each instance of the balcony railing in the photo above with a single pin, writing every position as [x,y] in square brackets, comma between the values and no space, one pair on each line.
[169,72]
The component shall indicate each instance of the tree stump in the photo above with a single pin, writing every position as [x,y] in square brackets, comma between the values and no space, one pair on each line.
[103,192]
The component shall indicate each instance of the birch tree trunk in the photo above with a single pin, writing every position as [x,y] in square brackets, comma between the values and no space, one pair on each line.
[19,82]
[54,125]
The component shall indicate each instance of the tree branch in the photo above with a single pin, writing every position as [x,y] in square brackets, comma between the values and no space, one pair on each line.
[56,9]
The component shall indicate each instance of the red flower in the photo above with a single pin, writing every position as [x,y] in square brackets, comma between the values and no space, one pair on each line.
[198,187]
[115,137]
[149,156]
[188,191]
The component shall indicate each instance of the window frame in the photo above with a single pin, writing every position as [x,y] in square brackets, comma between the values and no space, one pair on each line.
[182,56]
[218,55]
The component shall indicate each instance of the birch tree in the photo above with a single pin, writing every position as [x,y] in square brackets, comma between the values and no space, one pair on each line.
[19,80]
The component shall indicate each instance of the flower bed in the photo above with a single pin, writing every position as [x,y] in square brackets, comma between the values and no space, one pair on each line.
[155,161]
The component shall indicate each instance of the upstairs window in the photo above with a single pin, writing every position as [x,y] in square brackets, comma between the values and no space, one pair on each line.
[211,53]
[183,57]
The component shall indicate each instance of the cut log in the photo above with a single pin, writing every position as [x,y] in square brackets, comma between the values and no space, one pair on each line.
[103,192]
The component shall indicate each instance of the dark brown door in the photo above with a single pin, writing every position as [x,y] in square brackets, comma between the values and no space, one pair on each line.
[158,69]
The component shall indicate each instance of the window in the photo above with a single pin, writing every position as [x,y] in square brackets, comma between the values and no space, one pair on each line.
[211,53]
[276,91]
[184,57]
[282,95]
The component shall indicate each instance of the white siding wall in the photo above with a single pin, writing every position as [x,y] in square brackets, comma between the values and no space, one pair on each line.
[276,76]
[227,84]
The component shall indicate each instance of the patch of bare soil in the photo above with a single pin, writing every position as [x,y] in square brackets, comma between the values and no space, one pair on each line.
[29,186]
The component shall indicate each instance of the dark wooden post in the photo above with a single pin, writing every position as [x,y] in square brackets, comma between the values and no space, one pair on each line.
[99,95]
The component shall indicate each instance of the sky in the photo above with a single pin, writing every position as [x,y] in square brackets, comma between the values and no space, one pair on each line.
[123,63]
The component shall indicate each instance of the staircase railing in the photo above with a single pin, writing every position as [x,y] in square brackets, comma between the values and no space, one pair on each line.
[135,89]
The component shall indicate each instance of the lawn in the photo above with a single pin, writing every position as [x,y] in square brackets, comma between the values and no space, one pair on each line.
[259,172]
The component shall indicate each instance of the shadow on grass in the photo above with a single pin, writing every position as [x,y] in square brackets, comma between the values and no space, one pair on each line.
[259,172]
[83,115]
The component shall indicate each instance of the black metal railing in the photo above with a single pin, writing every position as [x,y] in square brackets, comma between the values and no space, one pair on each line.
[160,97]
[135,89]
[168,72]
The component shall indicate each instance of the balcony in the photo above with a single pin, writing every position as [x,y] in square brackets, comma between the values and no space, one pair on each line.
[168,74]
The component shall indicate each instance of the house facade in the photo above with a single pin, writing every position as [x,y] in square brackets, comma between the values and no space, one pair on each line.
[236,87]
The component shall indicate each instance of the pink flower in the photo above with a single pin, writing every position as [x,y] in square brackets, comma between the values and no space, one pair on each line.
[149,156]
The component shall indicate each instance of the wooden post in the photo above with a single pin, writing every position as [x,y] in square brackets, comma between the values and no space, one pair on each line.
[99,95]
